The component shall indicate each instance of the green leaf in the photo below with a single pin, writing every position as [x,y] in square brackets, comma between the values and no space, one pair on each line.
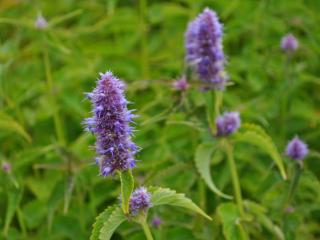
[232,227]
[260,213]
[9,124]
[127,185]
[202,160]
[34,213]
[166,196]
[14,198]
[255,128]
[257,136]
[115,218]
[100,220]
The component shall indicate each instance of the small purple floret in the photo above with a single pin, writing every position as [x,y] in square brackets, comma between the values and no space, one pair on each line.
[41,22]
[297,149]
[203,43]
[228,123]
[181,84]
[6,167]
[156,222]
[289,43]
[110,124]
[139,201]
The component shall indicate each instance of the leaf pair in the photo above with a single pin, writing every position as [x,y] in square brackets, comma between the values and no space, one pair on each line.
[252,134]
[111,218]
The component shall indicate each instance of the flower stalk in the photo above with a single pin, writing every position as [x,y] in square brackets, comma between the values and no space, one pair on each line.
[294,183]
[56,117]
[144,58]
[146,230]
[234,176]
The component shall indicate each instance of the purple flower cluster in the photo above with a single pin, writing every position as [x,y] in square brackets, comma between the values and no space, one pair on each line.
[228,123]
[203,43]
[289,43]
[140,200]
[110,125]
[297,149]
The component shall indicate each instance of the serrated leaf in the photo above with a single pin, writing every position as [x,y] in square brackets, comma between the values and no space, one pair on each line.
[100,220]
[127,185]
[202,160]
[230,218]
[166,196]
[9,124]
[257,136]
[116,217]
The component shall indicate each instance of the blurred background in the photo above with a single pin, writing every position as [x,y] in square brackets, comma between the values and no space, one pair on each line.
[51,53]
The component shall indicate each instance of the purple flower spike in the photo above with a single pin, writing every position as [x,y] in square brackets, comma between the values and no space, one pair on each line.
[289,43]
[156,222]
[110,125]
[203,43]
[41,22]
[191,43]
[139,201]
[297,149]
[228,123]
[181,84]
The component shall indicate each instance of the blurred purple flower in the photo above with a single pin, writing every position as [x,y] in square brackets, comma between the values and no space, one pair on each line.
[110,125]
[228,123]
[41,22]
[203,43]
[297,149]
[181,84]
[289,43]
[156,222]
[6,167]
[139,201]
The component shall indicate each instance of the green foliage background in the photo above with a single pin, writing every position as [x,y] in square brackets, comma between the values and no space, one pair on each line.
[53,190]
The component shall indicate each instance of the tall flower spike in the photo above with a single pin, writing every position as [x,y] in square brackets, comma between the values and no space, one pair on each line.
[297,149]
[289,43]
[110,125]
[139,201]
[228,123]
[203,43]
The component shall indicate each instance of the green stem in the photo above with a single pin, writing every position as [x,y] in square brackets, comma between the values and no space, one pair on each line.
[213,110]
[235,178]
[284,106]
[65,17]
[208,97]
[56,116]
[144,59]
[218,102]
[294,183]
[146,230]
